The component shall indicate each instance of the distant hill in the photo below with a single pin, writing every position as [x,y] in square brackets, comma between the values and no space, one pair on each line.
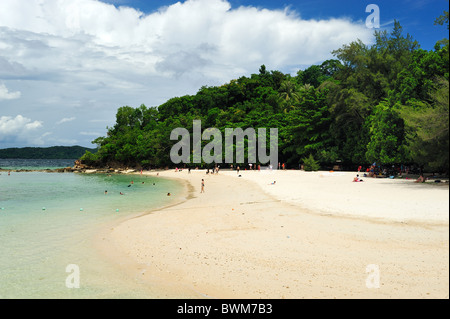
[54,152]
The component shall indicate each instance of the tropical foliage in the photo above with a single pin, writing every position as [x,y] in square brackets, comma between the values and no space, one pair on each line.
[387,102]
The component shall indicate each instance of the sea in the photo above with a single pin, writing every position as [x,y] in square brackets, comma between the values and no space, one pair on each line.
[49,222]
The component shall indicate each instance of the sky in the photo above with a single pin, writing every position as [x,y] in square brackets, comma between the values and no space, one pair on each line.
[66,66]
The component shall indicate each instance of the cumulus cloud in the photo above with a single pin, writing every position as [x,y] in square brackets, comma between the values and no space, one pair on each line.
[19,128]
[204,36]
[5,94]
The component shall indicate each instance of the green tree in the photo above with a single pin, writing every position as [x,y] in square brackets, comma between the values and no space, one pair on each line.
[428,133]
[442,19]
[386,129]
[310,164]
[307,126]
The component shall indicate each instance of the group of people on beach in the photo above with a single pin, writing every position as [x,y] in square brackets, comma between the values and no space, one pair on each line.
[251,167]
[391,172]
[214,170]
[377,171]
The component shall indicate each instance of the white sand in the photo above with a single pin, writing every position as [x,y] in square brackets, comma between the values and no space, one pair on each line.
[379,198]
[311,235]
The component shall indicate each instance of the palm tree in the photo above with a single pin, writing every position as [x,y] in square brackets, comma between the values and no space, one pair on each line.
[306,87]
[288,94]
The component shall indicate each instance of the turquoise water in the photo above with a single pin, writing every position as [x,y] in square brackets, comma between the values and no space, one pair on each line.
[48,222]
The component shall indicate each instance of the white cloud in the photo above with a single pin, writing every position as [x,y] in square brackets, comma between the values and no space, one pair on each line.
[98,41]
[5,94]
[19,128]
[65,120]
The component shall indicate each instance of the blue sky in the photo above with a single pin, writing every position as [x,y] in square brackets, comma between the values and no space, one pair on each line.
[67,66]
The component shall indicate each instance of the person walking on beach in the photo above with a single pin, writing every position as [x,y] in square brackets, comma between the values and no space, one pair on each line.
[203,186]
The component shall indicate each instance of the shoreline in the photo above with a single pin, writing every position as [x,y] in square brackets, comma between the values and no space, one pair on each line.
[128,268]
[48,230]
[242,239]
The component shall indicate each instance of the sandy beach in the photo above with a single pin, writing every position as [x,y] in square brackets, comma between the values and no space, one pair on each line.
[309,235]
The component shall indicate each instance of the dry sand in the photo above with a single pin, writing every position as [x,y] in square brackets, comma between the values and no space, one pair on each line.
[311,235]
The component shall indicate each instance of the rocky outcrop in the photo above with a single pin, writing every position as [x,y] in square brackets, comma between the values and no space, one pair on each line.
[79,168]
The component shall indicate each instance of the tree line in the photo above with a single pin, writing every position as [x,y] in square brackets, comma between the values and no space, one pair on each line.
[384,103]
[54,152]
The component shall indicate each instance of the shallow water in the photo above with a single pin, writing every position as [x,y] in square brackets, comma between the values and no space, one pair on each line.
[48,222]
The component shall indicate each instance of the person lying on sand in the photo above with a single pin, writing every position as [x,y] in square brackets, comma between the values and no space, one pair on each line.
[357,179]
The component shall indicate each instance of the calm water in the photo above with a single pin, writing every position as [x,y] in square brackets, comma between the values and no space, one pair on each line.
[48,221]
[34,164]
